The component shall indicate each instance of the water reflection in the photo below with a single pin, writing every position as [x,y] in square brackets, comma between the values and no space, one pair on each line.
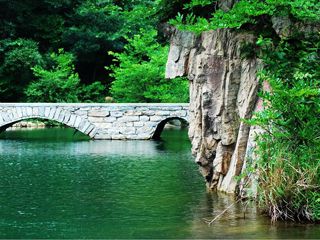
[80,144]
[54,184]
[243,221]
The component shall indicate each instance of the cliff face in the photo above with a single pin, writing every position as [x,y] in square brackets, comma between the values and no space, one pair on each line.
[223,90]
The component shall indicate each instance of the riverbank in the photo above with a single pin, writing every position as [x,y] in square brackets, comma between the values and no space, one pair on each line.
[34,124]
[29,124]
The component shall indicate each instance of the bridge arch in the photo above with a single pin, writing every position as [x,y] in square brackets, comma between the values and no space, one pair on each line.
[56,114]
[159,128]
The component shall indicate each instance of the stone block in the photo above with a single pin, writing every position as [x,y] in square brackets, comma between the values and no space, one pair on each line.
[144,130]
[102,136]
[129,119]
[29,111]
[133,113]
[151,124]
[172,108]
[57,113]
[149,113]
[130,124]
[110,119]
[61,116]
[113,131]
[119,124]
[19,112]
[144,136]
[181,113]
[41,111]
[6,117]
[127,130]
[104,125]
[11,115]
[116,114]
[142,109]
[35,111]
[15,114]
[138,124]
[72,120]
[85,126]
[96,119]
[52,112]
[66,117]
[118,137]
[133,137]
[24,111]
[81,112]
[89,129]
[77,122]
[144,118]
[47,111]
[93,133]
[162,113]
[98,113]
[156,118]
[83,109]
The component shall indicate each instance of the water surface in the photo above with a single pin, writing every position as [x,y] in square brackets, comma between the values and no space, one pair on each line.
[54,184]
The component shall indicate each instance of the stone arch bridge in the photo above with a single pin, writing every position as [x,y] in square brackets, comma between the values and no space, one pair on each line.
[100,120]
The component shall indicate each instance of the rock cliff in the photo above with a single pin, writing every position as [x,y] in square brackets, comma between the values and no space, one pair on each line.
[223,90]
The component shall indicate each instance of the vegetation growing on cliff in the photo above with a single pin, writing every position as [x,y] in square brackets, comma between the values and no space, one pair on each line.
[288,40]
[289,150]
[244,13]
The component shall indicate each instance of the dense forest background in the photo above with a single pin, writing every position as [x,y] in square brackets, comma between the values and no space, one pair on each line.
[86,50]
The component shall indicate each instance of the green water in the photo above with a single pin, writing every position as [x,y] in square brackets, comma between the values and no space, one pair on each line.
[54,184]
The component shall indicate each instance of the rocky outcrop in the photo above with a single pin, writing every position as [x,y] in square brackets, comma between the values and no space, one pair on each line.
[223,91]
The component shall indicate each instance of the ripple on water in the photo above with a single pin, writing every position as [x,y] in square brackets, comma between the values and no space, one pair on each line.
[56,185]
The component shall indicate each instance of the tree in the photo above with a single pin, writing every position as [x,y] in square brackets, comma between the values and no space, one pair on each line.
[17,57]
[139,75]
[57,82]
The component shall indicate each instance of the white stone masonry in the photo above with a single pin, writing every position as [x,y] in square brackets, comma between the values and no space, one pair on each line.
[99,120]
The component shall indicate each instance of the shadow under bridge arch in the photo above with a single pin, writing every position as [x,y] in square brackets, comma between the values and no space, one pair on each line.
[176,121]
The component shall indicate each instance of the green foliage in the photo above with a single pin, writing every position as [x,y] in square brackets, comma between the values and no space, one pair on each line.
[195,3]
[56,83]
[289,150]
[143,15]
[248,11]
[94,92]
[16,57]
[92,28]
[86,28]
[139,76]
